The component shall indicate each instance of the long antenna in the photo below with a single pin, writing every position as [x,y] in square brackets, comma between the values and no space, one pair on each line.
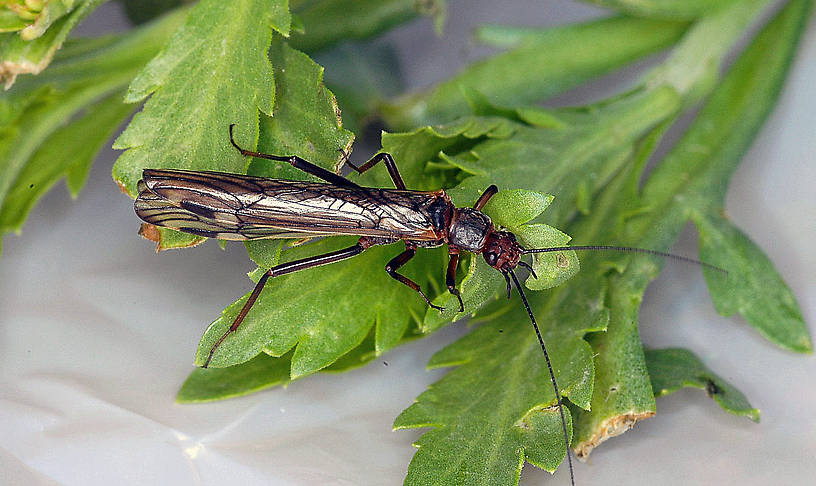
[628,249]
[552,374]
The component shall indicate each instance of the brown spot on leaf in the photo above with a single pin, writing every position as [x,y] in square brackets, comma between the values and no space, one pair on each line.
[561,260]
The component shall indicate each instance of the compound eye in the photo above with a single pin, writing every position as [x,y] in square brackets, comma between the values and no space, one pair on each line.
[491,258]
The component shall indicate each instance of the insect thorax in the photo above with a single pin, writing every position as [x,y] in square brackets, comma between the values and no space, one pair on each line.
[469,229]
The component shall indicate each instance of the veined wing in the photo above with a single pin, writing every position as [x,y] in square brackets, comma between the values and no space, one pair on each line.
[238,207]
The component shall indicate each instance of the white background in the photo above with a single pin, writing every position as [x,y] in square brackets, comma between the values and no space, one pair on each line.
[98,332]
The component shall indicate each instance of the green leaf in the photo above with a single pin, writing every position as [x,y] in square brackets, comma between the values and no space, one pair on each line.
[328,311]
[33,49]
[691,180]
[753,287]
[361,74]
[67,152]
[209,384]
[306,119]
[666,9]
[198,91]
[327,22]
[673,368]
[81,75]
[551,269]
[495,409]
[141,11]
[622,393]
[694,64]
[261,372]
[555,60]
[578,156]
[515,207]
[724,130]
[193,62]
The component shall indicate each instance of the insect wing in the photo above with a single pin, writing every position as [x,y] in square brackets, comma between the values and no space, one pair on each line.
[236,207]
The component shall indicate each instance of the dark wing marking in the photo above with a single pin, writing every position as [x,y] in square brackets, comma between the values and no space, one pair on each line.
[237,207]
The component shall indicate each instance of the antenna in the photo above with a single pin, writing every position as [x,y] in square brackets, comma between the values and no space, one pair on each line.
[627,249]
[552,374]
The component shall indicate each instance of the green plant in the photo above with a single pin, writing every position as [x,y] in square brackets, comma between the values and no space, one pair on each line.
[478,128]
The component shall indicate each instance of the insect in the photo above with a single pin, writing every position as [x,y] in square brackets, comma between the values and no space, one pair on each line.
[239,207]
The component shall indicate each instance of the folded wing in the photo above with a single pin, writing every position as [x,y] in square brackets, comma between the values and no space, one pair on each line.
[237,207]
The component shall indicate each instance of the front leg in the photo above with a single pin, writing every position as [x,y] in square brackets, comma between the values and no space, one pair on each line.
[450,278]
[400,260]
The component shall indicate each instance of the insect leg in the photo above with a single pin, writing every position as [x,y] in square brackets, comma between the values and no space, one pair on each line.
[400,260]
[389,164]
[450,278]
[489,192]
[297,163]
[283,269]
[507,281]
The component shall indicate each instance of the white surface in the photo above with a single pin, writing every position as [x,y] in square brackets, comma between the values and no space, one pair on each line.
[98,332]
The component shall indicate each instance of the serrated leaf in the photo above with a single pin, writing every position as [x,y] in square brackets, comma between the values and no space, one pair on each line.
[306,121]
[32,54]
[583,151]
[261,372]
[358,293]
[494,409]
[672,369]
[214,72]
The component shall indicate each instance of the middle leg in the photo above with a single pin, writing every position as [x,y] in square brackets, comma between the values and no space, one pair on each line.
[400,260]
